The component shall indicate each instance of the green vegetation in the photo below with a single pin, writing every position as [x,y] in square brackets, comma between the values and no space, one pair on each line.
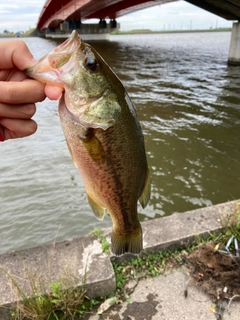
[8,34]
[231,224]
[97,233]
[154,264]
[31,31]
[148,31]
[146,265]
[61,301]
[56,303]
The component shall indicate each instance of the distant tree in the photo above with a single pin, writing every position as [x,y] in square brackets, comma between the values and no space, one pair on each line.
[6,31]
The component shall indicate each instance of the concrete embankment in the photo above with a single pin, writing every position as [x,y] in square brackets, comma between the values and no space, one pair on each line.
[81,261]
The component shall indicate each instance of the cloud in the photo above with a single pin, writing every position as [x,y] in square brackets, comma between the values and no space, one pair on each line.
[19,15]
[174,15]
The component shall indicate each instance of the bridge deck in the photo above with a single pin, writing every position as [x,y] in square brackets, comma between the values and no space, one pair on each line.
[229,9]
[54,11]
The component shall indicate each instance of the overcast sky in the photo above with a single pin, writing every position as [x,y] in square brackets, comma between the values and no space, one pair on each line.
[21,15]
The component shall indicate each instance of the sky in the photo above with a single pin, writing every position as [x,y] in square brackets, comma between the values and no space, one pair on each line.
[21,15]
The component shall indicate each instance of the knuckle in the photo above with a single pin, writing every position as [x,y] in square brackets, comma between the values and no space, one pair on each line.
[9,93]
[31,127]
[30,109]
[37,92]
[41,96]
[27,110]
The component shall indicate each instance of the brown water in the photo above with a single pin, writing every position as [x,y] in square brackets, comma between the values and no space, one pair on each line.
[188,101]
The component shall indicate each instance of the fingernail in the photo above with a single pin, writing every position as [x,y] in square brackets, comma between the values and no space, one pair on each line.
[1,138]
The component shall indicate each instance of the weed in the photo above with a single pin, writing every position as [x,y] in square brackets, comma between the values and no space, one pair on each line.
[97,233]
[61,300]
[58,302]
[231,223]
[146,265]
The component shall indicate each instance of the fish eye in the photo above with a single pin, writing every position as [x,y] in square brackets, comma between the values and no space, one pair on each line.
[91,64]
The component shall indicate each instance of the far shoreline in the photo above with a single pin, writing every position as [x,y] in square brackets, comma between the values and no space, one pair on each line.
[148,31]
[118,32]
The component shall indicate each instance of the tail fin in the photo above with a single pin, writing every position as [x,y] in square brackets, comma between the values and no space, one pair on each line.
[122,243]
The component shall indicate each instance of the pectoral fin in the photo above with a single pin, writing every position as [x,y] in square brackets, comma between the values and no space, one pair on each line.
[145,196]
[93,145]
[96,208]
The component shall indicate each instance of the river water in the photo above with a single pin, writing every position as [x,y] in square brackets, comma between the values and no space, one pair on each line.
[188,102]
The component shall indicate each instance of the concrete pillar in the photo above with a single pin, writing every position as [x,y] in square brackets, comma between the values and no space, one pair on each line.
[234,51]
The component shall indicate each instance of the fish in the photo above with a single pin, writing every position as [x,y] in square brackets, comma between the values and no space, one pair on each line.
[103,135]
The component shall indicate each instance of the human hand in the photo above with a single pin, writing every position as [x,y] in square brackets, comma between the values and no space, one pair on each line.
[18,93]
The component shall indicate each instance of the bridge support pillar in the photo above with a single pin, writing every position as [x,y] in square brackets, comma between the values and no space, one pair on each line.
[234,51]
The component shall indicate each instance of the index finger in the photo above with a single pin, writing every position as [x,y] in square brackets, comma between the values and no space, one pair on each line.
[27,91]
[15,53]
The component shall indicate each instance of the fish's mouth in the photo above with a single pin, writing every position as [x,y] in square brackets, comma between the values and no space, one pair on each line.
[50,67]
[70,45]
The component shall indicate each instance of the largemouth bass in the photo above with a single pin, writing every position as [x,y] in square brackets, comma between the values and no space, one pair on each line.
[103,135]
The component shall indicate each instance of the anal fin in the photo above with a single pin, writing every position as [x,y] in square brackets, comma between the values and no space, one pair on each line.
[145,196]
[96,208]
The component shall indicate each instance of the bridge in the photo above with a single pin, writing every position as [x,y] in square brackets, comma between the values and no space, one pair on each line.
[66,15]
[55,12]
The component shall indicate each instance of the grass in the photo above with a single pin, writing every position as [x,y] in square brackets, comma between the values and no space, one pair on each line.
[146,265]
[60,301]
[57,302]
[97,233]
[148,31]
[231,223]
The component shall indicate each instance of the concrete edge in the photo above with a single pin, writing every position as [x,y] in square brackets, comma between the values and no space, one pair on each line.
[82,262]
